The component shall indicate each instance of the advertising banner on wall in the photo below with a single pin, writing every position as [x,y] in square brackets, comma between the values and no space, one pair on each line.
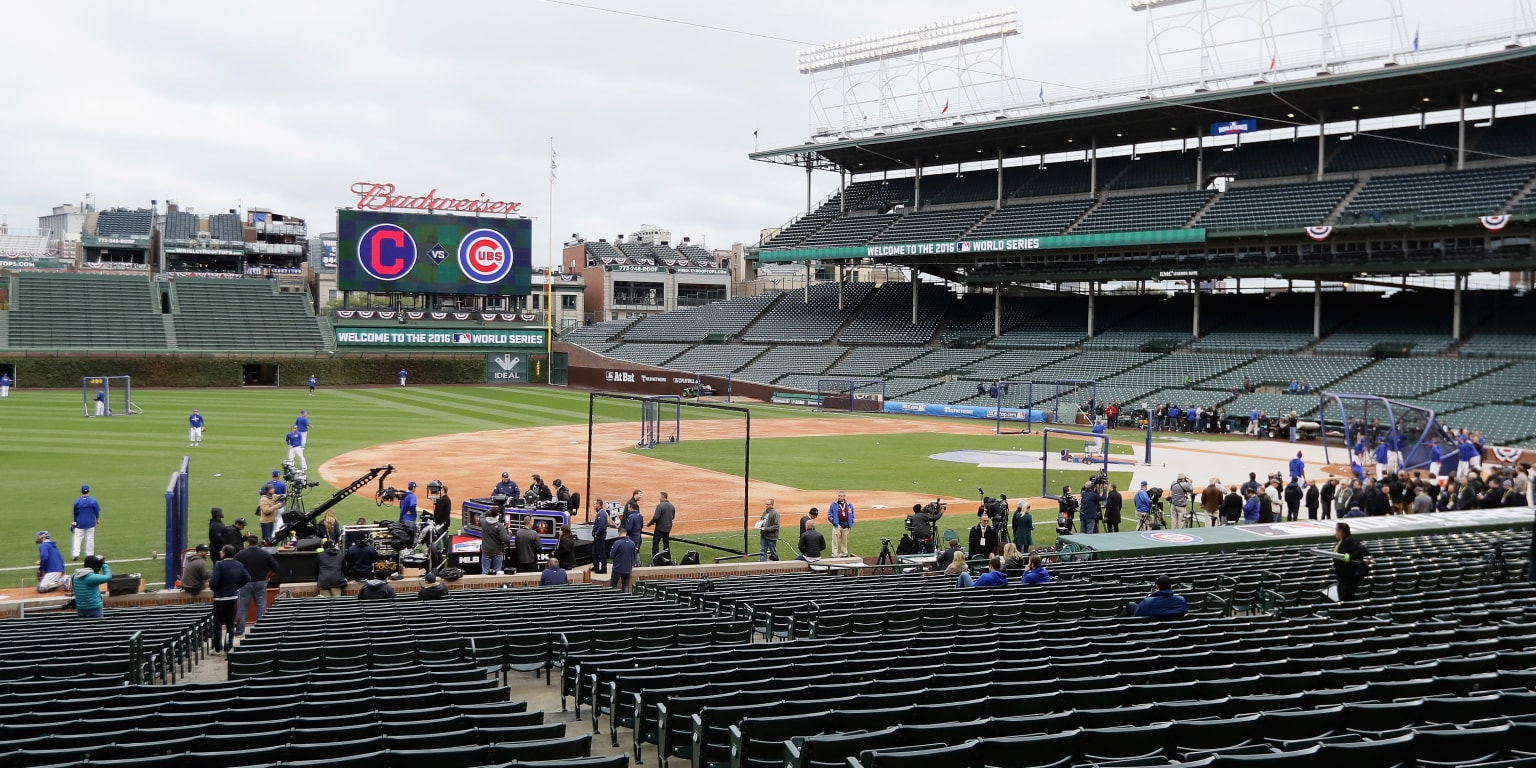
[440,338]
[507,368]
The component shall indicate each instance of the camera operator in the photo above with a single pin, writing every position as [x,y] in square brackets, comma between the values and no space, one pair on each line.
[1091,504]
[952,551]
[442,504]
[408,507]
[537,488]
[924,520]
[1178,496]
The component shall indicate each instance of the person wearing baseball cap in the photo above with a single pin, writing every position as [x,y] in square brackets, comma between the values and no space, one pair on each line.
[506,487]
[50,564]
[87,516]
[408,507]
[1143,505]
[195,570]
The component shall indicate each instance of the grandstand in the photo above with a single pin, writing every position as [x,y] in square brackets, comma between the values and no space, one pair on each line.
[242,315]
[122,312]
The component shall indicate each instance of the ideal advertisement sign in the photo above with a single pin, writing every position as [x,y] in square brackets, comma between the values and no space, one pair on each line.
[506,368]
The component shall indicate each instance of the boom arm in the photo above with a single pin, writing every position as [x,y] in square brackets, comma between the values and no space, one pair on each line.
[306,522]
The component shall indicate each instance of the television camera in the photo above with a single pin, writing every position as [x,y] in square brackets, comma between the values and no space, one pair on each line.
[297,480]
[1155,519]
[996,509]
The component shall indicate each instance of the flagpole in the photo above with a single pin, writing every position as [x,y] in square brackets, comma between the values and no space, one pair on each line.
[549,275]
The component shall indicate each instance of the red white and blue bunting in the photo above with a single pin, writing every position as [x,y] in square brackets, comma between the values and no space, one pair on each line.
[1494,223]
[1319,233]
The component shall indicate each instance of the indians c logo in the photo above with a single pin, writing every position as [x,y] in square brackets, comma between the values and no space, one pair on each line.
[386,252]
[485,256]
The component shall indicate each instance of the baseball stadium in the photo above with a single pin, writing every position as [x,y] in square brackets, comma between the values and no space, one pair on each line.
[1189,423]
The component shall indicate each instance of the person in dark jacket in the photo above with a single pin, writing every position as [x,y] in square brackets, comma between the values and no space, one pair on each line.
[1162,602]
[811,544]
[983,537]
[1231,507]
[1293,498]
[1313,500]
[526,545]
[493,542]
[360,559]
[925,519]
[633,522]
[1325,497]
[229,575]
[434,589]
[218,532]
[260,564]
[233,536]
[1023,527]
[553,573]
[623,551]
[1091,502]
[195,571]
[943,559]
[1350,567]
[661,524]
[994,577]
[600,538]
[376,589]
[565,548]
[331,580]
[1112,506]
[810,517]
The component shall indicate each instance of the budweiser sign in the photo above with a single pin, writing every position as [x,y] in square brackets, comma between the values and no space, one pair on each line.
[372,196]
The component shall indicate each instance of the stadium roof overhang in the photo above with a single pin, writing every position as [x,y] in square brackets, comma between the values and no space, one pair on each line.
[1507,76]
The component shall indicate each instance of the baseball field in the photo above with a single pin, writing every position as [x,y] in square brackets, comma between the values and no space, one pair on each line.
[467,436]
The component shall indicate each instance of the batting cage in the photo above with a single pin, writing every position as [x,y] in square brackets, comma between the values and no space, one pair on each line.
[107,396]
[1015,406]
[1077,397]
[707,478]
[850,395]
[1409,431]
[1074,449]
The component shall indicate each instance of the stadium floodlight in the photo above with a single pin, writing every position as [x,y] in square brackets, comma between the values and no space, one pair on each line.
[1147,5]
[943,34]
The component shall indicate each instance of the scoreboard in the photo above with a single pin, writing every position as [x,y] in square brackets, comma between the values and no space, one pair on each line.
[386,252]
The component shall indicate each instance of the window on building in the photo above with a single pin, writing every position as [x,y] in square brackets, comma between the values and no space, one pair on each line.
[568,301]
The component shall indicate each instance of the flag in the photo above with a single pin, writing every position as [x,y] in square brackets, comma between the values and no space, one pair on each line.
[946,107]
[1415,39]
[553,166]
[1042,93]
[1272,60]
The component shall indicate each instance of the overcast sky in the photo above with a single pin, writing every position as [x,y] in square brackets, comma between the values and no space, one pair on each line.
[283,105]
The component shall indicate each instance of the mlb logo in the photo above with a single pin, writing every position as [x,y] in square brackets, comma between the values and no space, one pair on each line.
[461,338]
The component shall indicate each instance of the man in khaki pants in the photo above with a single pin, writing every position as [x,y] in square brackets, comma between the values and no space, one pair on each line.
[840,517]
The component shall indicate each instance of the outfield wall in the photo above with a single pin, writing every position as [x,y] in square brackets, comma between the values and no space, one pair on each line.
[964,411]
[57,371]
[590,370]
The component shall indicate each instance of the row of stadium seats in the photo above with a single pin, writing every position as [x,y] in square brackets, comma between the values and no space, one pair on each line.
[242,314]
[122,312]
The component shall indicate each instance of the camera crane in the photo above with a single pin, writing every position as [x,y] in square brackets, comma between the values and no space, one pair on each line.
[296,521]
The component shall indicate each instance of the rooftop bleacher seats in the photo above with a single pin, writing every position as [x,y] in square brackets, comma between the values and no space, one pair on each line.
[1414,378]
[716,358]
[1507,136]
[932,226]
[647,354]
[637,253]
[28,245]
[180,225]
[85,311]
[794,319]
[1168,210]
[243,314]
[1030,219]
[872,362]
[886,318]
[1265,160]
[1259,208]
[778,361]
[722,318]
[121,222]
[226,227]
[602,249]
[849,231]
[1436,196]
[1393,148]
[696,256]
[881,196]
[1157,169]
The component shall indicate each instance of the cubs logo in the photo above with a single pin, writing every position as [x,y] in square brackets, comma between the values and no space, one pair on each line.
[386,252]
[1171,537]
[485,256]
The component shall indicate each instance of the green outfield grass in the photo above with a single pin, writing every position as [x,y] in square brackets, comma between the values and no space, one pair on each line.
[50,450]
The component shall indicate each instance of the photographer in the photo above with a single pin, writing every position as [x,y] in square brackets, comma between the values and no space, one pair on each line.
[1143,502]
[1179,495]
[87,583]
[267,511]
[442,504]
[924,520]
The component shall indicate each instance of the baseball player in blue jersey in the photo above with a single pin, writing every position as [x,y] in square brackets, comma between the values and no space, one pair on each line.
[87,515]
[402,377]
[101,403]
[296,448]
[312,383]
[195,428]
[302,422]
[5,385]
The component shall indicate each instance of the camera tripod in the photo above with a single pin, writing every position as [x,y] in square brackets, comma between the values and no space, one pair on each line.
[885,558]
[1154,520]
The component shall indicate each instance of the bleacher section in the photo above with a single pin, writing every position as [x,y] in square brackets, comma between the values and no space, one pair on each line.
[942,361]
[1258,208]
[723,319]
[85,311]
[1266,160]
[1170,210]
[242,314]
[778,361]
[932,226]
[872,362]
[588,335]
[716,358]
[886,318]
[1392,148]
[180,225]
[971,318]
[1413,378]
[880,196]
[226,227]
[1030,219]
[1158,169]
[121,222]
[26,245]
[1436,196]
[647,354]
[793,319]
[849,231]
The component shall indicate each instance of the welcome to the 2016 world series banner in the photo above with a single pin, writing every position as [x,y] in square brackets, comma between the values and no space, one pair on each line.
[440,338]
